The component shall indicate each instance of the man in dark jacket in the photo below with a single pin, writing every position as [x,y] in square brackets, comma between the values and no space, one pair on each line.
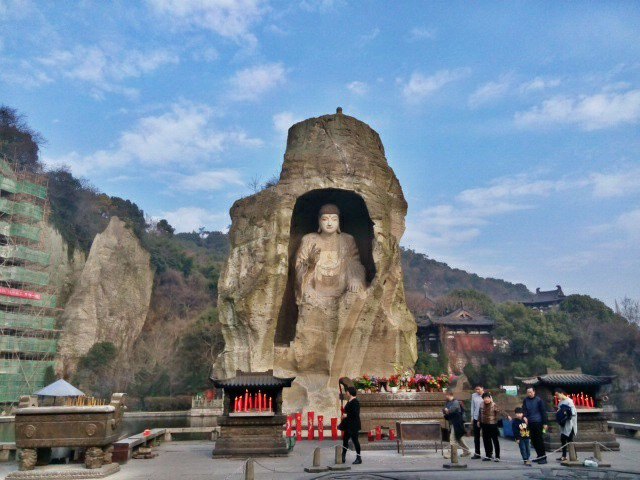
[350,425]
[535,413]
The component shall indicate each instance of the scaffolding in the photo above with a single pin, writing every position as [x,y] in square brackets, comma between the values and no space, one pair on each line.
[28,329]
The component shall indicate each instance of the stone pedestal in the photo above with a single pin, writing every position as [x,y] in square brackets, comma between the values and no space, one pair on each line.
[244,436]
[385,409]
[592,427]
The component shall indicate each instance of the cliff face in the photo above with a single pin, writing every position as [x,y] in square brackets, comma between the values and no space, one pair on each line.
[111,298]
[64,268]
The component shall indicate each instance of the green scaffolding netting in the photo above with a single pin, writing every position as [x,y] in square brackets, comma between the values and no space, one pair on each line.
[20,230]
[21,208]
[21,186]
[21,377]
[10,343]
[22,320]
[21,252]
[22,275]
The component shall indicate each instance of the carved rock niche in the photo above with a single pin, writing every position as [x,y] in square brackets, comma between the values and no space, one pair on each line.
[333,159]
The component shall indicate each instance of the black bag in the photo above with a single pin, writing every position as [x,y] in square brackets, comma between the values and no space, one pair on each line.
[563,415]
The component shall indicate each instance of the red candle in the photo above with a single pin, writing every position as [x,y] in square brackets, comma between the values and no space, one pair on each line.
[298,426]
[240,404]
[392,434]
[378,433]
[334,428]
[264,401]
[320,427]
[289,423]
[270,406]
[259,401]
[371,436]
[310,431]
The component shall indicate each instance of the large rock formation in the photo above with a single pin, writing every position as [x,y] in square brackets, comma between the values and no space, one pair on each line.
[331,159]
[65,266]
[111,299]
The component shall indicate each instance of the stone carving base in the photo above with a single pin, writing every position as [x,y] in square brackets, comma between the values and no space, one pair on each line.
[592,427]
[61,473]
[251,436]
[385,409]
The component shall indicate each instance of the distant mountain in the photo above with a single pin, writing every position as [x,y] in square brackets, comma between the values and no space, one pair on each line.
[441,279]
[425,275]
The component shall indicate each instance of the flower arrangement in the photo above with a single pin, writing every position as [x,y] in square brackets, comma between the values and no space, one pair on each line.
[404,379]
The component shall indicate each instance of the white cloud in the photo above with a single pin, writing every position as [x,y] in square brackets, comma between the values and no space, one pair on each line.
[369,37]
[421,33]
[602,110]
[616,184]
[490,91]
[232,19]
[629,223]
[184,134]
[505,193]
[462,221]
[538,84]
[282,121]
[105,67]
[359,88]
[210,180]
[189,219]
[420,86]
[207,54]
[251,83]
[25,75]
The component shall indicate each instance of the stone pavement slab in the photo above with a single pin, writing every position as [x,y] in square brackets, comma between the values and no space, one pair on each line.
[192,460]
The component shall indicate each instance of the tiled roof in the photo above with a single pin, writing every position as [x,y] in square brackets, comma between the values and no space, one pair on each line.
[546,296]
[463,317]
[253,379]
[567,380]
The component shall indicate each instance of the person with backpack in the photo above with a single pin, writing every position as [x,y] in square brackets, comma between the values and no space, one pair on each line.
[454,414]
[567,418]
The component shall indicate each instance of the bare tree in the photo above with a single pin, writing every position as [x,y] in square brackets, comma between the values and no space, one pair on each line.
[630,310]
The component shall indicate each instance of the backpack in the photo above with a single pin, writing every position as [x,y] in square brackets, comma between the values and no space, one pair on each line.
[563,415]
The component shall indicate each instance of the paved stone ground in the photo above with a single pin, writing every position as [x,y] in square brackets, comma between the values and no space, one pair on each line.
[192,460]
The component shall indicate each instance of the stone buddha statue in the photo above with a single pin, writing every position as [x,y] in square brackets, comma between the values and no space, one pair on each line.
[327,263]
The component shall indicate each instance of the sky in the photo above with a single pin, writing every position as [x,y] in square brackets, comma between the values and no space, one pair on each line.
[513,127]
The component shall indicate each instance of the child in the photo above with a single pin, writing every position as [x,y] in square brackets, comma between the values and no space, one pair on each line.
[454,413]
[521,434]
[489,414]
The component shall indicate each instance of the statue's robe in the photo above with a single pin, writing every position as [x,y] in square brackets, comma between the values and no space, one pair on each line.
[320,289]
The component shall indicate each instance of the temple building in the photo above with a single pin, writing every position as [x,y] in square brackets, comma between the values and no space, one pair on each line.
[465,337]
[545,300]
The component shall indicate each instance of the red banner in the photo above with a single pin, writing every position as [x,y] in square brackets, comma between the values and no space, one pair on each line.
[14,292]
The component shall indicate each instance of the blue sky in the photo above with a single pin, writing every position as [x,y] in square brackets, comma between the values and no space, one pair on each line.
[513,127]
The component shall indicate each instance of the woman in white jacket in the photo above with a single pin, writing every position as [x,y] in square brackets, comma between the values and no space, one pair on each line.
[570,427]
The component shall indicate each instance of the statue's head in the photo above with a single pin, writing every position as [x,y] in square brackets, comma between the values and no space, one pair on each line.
[329,219]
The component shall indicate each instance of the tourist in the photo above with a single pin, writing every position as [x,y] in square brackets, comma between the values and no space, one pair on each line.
[350,425]
[489,414]
[521,434]
[535,414]
[454,414]
[476,405]
[567,417]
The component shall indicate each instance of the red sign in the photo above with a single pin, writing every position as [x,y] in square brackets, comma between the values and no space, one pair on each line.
[14,292]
